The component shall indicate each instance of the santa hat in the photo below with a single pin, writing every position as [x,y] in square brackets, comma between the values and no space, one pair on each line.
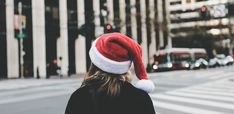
[115,52]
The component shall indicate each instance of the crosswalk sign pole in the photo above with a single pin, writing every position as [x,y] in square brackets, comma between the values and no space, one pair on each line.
[21,52]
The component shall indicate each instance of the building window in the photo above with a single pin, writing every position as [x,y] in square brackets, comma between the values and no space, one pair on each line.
[175,2]
[200,0]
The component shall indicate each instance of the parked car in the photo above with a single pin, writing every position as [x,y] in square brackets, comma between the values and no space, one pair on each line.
[199,58]
[214,62]
[200,63]
[230,60]
[171,59]
[225,60]
[221,60]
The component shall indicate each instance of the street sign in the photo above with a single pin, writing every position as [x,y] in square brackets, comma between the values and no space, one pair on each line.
[20,22]
[22,35]
[16,22]
[23,21]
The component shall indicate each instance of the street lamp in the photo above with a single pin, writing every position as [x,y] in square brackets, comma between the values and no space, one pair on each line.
[21,51]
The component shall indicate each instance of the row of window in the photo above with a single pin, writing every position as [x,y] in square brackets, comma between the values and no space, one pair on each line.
[187,1]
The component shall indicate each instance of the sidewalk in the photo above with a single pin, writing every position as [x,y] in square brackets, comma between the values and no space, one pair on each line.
[10,84]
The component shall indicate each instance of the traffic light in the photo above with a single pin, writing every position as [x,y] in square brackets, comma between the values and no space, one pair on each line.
[204,12]
[108,28]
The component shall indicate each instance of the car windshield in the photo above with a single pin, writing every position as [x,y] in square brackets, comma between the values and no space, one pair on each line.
[161,58]
[180,57]
[200,55]
[220,56]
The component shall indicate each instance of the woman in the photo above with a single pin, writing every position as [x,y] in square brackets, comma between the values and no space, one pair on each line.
[106,88]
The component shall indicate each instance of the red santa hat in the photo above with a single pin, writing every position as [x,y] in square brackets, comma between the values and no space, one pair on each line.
[115,52]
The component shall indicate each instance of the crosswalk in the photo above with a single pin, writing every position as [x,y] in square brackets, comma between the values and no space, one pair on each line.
[212,74]
[181,92]
[37,91]
[29,83]
[210,98]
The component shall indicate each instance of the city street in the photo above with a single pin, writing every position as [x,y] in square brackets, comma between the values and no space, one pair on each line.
[195,92]
[47,46]
[209,91]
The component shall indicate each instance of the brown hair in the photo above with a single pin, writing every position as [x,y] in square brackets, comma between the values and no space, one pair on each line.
[107,82]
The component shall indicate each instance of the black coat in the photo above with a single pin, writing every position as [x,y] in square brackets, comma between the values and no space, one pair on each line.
[130,101]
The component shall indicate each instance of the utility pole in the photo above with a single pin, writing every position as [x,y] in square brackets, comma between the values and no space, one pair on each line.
[21,51]
[89,28]
[231,26]
[166,22]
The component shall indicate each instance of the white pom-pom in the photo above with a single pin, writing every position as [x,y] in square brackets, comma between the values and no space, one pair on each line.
[146,85]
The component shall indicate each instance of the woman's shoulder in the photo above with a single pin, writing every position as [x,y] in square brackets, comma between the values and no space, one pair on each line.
[82,91]
[136,96]
[131,89]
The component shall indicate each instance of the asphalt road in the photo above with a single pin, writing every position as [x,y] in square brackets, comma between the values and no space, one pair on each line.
[209,91]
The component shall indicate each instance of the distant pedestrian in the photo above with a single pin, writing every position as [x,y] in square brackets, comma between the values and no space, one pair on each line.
[106,88]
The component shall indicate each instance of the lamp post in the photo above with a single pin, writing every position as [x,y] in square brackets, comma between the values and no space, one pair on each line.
[21,52]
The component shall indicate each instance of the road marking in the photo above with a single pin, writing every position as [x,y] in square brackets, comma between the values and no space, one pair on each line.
[209,92]
[221,87]
[25,83]
[208,74]
[37,89]
[34,96]
[194,101]
[222,75]
[163,88]
[214,89]
[230,84]
[183,94]
[185,109]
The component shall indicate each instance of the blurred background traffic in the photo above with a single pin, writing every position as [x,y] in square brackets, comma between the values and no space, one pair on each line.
[188,59]
[52,37]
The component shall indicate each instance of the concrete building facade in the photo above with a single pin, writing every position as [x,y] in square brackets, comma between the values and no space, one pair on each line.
[202,23]
[42,38]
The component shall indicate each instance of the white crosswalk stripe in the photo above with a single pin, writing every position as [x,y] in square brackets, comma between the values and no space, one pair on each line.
[212,97]
[33,96]
[24,83]
[205,74]
[184,109]
[38,91]
[194,101]
[198,99]
[214,75]
[222,75]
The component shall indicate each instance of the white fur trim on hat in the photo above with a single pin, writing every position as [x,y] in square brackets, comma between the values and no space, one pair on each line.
[146,85]
[107,64]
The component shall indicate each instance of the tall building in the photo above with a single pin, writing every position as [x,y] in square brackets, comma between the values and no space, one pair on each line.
[202,23]
[42,38]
